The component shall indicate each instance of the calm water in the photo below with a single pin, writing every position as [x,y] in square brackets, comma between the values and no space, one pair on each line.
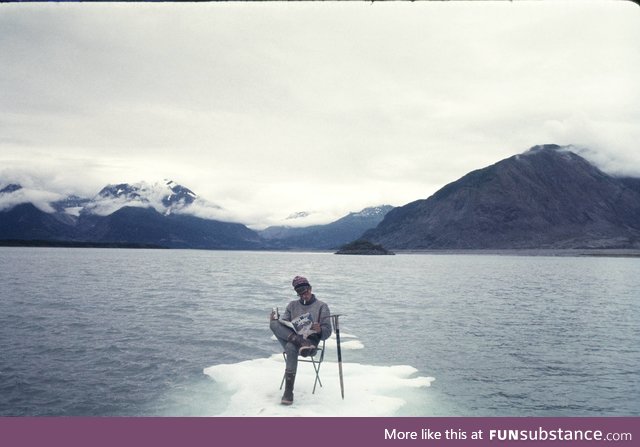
[129,332]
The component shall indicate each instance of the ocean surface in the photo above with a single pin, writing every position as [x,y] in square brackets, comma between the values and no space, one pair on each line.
[105,332]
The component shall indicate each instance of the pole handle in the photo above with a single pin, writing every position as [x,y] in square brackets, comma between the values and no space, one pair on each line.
[334,318]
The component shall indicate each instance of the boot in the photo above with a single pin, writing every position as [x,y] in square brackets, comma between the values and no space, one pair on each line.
[289,380]
[308,350]
[306,347]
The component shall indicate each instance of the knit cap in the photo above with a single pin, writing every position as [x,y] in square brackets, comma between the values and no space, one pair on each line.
[300,281]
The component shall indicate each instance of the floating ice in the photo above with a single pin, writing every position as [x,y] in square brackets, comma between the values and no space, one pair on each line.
[252,387]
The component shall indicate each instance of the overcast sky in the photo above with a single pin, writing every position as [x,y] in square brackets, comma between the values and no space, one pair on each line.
[273,108]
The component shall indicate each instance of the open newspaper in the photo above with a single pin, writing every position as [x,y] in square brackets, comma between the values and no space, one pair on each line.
[300,325]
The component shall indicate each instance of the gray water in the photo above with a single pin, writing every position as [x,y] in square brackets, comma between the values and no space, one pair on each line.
[128,332]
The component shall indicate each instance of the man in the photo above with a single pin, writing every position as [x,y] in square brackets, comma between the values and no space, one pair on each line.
[293,343]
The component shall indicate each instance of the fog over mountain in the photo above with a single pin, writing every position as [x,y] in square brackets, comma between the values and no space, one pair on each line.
[159,214]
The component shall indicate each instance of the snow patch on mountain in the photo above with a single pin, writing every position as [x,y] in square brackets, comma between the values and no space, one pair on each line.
[372,211]
[306,219]
[179,197]
[300,219]
[113,197]
[72,205]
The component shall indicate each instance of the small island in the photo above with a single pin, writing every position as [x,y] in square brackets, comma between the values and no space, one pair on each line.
[363,247]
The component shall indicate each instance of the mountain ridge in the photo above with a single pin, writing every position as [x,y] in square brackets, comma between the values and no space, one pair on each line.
[547,197]
[142,213]
[159,215]
[327,236]
[532,200]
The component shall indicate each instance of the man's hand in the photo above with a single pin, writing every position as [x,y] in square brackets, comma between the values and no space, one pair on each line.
[315,327]
[273,316]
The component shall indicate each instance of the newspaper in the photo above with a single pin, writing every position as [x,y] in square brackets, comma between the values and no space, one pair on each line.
[300,325]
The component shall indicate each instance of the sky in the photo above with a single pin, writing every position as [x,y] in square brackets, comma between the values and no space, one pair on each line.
[268,109]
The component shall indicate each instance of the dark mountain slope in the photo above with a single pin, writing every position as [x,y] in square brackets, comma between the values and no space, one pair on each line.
[25,221]
[147,226]
[548,197]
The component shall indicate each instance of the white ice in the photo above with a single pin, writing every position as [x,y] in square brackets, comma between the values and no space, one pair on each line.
[252,386]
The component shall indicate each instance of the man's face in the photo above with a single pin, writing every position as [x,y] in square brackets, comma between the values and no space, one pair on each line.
[304,293]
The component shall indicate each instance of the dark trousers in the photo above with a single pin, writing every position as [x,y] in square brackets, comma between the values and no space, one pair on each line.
[282,334]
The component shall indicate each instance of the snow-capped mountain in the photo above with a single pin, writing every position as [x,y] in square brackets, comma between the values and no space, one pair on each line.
[373,211]
[179,195]
[165,197]
[160,214]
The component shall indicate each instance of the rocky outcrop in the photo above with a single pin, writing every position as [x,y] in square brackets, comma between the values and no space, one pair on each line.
[363,247]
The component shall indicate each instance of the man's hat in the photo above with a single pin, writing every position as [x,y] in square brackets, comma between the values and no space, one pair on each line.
[300,281]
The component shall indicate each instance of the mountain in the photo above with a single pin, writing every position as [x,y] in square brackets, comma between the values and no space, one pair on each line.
[165,197]
[71,205]
[26,221]
[12,187]
[328,236]
[179,196]
[147,226]
[161,213]
[547,197]
[142,213]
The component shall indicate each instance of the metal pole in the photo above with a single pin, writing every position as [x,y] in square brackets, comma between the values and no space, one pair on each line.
[336,325]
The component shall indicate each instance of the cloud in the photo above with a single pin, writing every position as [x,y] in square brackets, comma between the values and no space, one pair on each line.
[273,108]
[40,199]
[610,144]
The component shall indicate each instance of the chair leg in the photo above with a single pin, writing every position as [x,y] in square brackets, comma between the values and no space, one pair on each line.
[285,374]
[316,367]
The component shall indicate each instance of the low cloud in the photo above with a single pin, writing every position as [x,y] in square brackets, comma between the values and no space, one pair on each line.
[612,145]
[39,198]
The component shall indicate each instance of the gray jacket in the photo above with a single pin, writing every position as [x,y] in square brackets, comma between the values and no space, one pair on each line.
[319,312]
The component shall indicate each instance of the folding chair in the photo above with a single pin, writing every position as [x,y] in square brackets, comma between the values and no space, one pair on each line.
[314,360]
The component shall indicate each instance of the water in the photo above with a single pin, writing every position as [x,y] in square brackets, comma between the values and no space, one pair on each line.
[181,332]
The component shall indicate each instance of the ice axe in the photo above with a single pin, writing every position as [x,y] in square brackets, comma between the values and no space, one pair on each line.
[336,325]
